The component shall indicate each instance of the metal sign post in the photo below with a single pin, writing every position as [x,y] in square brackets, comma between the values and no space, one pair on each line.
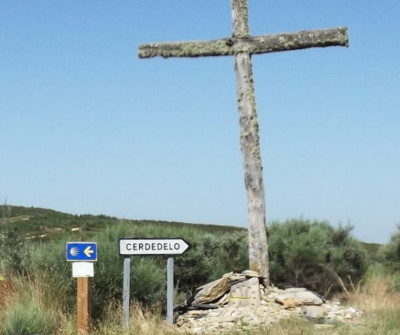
[170,290]
[126,292]
[151,246]
[82,255]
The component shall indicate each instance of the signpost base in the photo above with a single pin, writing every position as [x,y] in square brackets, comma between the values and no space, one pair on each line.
[83,305]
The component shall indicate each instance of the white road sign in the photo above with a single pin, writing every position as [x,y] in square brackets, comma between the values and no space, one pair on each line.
[82,269]
[152,246]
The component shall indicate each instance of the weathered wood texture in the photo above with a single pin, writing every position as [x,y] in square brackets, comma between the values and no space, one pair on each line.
[252,45]
[252,164]
[242,46]
[250,147]
[240,18]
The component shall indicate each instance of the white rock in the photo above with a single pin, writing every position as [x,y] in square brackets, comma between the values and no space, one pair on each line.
[301,296]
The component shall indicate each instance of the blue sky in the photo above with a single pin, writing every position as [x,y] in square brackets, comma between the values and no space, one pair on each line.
[87,127]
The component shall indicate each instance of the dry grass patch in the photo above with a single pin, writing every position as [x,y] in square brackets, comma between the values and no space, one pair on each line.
[6,291]
[376,294]
[142,322]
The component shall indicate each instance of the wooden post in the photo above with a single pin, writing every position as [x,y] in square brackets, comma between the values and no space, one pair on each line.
[242,46]
[83,305]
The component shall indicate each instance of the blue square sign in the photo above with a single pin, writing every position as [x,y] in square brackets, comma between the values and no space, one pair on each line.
[81,251]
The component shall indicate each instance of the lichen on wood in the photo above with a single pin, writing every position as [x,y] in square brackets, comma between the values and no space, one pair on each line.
[252,165]
[252,44]
[240,18]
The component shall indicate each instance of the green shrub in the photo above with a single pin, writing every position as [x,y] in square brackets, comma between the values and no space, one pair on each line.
[148,281]
[28,317]
[390,253]
[314,255]
[47,264]
[211,256]
[13,248]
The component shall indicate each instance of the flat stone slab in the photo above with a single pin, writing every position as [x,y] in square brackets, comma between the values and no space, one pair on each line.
[294,297]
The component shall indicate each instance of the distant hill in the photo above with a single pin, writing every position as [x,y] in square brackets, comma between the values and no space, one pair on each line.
[40,222]
[31,221]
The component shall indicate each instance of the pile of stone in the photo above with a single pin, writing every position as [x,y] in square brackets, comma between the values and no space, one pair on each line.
[242,301]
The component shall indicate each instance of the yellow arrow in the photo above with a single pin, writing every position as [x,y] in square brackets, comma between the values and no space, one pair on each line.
[88,252]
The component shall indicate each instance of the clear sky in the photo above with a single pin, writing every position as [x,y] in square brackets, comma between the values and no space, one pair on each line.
[87,127]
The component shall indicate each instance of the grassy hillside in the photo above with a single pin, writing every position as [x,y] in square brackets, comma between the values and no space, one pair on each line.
[31,221]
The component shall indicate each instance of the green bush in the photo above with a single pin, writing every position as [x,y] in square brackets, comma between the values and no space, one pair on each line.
[148,281]
[211,256]
[13,248]
[389,257]
[47,264]
[28,317]
[314,255]
[390,253]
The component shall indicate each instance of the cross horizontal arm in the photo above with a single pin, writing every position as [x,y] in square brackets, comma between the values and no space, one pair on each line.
[252,45]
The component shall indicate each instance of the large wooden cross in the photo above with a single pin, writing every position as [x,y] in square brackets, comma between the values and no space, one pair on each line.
[242,45]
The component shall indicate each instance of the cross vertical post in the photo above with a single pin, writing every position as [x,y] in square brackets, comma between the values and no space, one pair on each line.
[250,146]
[242,46]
